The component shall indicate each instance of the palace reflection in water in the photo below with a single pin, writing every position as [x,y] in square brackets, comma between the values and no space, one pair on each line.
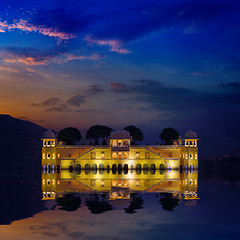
[114,188]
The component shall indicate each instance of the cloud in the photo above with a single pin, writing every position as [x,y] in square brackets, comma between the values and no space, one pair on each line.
[76,100]
[114,45]
[40,57]
[120,87]
[51,101]
[23,25]
[63,58]
[27,56]
[61,108]
[8,69]
[201,74]
[94,89]
[48,102]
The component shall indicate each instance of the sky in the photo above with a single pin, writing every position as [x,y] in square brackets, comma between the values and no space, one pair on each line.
[153,64]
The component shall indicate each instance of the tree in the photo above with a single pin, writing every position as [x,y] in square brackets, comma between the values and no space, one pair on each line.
[135,132]
[98,131]
[69,135]
[168,202]
[168,135]
[69,202]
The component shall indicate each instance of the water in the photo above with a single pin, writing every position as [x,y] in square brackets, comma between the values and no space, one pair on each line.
[106,205]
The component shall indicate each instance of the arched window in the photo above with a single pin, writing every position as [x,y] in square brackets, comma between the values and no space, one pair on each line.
[114,155]
[125,155]
[94,167]
[161,166]
[101,167]
[119,168]
[114,169]
[87,166]
[139,167]
[145,167]
[125,169]
[152,168]
[120,156]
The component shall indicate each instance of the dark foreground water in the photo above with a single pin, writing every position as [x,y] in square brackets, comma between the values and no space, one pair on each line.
[101,205]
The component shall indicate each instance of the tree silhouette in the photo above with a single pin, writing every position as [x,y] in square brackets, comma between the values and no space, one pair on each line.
[168,202]
[136,203]
[98,131]
[69,202]
[135,132]
[69,135]
[96,206]
[168,135]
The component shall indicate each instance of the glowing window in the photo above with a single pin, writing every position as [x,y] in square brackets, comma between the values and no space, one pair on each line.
[93,182]
[53,156]
[93,155]
[147,155]
[137,182]
[58,155]
[43,156]
[195,156]
[186,156]
[48,155]
[102,183]
[114,155]
[191,156]
[137,155]
[102,155]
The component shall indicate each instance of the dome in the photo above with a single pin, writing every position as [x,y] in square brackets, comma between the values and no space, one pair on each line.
[190,134]
[120,134]
[49,134]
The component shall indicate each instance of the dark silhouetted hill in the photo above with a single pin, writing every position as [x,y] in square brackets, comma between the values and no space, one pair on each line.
[20,142]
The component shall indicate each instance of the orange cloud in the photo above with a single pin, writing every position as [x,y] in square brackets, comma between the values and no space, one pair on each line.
[114,45]
[8,69]
[23,25]
[29,61]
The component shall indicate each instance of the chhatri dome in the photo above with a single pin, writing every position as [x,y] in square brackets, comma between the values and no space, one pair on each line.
[49,134]
[190,134]
[120,134]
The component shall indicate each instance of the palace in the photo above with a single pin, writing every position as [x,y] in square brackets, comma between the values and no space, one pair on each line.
[119,154]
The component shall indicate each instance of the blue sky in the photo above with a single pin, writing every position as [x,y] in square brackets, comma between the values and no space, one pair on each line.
[154,64]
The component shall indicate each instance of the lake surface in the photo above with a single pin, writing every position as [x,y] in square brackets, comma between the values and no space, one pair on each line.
[125,205]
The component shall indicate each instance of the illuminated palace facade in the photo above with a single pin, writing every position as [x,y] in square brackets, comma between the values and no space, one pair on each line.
[120,154]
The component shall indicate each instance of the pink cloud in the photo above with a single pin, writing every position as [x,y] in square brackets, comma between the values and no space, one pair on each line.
[118,86]
[201,74]
[23,25]
[114,45]
[29,61]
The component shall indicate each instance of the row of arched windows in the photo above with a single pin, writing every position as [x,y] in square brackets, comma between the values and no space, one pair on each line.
[119,166]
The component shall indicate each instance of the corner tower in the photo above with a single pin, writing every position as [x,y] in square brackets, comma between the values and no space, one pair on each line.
[49,150]
[190,150]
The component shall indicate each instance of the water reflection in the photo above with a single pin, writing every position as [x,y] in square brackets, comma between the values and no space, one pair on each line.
[106,190]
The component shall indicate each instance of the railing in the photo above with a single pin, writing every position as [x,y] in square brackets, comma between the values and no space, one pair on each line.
[107,146]
[120,148]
